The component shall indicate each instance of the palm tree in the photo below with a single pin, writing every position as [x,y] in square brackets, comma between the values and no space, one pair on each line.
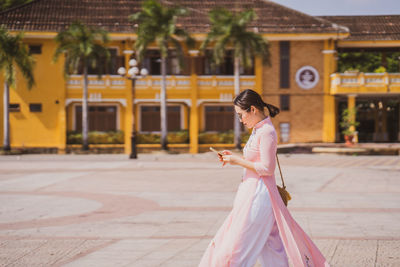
[230,30]
[13,53]
[6,4]
[86,46]
[157,24]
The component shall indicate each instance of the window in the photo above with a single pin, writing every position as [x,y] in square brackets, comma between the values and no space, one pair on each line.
[225,68]
[219,118]
[115,61]
[150,120]
[35,107]
[152,62]
[285,102]
[111,67]
[14,108]
[284,53]
[35,49]
[173,66]
[101,118]
[208,67]
[284,128]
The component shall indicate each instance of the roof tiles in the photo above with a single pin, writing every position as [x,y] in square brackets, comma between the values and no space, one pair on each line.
[386,27]
[112,15]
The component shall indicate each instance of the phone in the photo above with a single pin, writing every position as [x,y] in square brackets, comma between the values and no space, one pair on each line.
[219,153]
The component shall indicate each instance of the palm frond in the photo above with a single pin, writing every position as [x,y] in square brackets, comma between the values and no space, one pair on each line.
[231,29]
[245,17]
[189,40]
[81,43]
[157,24]
[14,53]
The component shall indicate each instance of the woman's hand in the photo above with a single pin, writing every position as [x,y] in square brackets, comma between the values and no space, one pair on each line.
[227,156]
[231,159]
[222,154]
[227,152]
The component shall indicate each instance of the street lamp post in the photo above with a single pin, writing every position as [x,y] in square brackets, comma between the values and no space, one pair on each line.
[133,74]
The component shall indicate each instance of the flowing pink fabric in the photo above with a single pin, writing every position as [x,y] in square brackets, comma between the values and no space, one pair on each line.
[226,248]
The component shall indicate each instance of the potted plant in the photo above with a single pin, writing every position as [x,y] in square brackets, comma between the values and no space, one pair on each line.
[349,124]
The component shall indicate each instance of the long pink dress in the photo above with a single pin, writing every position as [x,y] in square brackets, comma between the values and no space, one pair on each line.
[260,225]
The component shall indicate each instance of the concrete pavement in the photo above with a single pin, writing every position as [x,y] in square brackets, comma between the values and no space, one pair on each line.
[162,210]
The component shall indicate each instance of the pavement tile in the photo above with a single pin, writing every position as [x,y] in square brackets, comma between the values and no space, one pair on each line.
[14,250]
[121,253]
[25,207]
[351,253]
[388,253]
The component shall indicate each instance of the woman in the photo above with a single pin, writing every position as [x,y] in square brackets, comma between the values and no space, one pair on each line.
[259,225]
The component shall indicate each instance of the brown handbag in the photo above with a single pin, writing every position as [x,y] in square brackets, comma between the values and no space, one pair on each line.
[282,189]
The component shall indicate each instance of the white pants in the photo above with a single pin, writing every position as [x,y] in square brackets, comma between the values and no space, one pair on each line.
[261,239]
[248,233]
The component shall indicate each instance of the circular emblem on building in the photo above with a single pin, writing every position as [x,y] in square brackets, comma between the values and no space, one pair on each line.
[307,77]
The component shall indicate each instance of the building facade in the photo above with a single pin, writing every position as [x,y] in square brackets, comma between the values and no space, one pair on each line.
[301,80]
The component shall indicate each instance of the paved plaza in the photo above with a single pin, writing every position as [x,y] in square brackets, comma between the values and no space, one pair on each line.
[162,210]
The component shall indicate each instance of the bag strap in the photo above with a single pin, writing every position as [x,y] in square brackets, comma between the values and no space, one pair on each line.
[280,171]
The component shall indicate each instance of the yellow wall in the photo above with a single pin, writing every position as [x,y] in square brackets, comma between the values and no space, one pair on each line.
[44,129]
[48,128]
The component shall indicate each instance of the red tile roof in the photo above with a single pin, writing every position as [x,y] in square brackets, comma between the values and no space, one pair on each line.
[55,15]
[386,27]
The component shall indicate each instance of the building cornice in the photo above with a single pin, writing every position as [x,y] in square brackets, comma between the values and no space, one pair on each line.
[202,36]
[370,43]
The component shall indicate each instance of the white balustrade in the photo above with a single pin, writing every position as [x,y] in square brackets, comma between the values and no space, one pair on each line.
[365,82]
[114,82]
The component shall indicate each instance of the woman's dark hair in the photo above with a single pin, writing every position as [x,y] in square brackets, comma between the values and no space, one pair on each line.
[249,98]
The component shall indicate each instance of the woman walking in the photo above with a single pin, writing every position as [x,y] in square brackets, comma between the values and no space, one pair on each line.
[259,225]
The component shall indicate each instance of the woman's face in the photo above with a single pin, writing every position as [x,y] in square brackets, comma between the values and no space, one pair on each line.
[247,117]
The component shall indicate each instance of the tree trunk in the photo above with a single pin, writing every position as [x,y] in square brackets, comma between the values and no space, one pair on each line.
[237,91]
[163,103]
[6,119]
[85,117]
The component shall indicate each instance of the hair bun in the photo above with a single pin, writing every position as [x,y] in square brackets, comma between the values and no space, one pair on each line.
[248,98]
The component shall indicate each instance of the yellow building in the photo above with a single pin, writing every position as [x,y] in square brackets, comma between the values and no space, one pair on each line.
[301,79]
[376,95]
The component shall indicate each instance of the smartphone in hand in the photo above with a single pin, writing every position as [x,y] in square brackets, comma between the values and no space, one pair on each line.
[219,153]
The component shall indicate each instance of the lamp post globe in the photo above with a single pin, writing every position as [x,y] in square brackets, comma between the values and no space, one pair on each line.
[144,72]
[135,70]
[131,74]
[132,62]
[121,71]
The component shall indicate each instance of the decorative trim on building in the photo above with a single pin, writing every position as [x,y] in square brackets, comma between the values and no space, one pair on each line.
[194,52]
[221,100]
[307,77]
[329,51]
[127,52]
[68,101]
[169,100]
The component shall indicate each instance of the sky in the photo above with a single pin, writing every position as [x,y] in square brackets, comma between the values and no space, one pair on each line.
[344,7]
